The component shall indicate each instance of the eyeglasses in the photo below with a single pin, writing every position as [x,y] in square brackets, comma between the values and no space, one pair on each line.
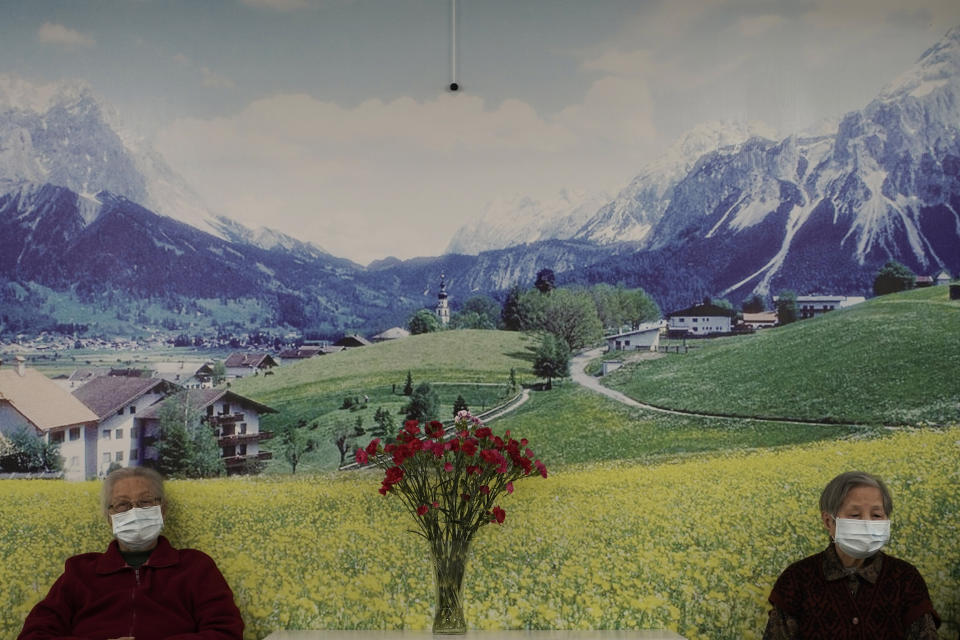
[143,503]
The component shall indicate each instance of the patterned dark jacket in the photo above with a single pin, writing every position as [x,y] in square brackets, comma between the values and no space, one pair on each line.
[888,597]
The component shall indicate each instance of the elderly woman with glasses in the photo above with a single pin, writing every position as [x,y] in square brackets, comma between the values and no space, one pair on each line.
[852,589]
[141,588]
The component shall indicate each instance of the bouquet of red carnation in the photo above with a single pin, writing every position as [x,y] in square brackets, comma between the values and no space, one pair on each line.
[450,484]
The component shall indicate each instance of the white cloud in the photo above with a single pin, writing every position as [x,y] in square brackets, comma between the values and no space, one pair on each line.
[215,80]
[753,26]
[208,77]
[399,177]
[277,5]
[622,63]
[57,34]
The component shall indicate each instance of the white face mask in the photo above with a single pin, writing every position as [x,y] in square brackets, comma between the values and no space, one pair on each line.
[138,528]
[861,538]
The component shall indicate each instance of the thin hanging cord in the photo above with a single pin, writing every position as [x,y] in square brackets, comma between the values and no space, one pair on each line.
[453,45]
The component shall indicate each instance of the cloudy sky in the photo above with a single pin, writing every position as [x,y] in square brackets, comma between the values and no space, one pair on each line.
[330,119]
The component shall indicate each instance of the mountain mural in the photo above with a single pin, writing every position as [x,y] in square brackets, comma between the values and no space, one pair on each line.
[823,213]
[86,214]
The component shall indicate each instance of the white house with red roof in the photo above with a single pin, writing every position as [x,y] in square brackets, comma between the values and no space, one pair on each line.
[31,400]
[117,400]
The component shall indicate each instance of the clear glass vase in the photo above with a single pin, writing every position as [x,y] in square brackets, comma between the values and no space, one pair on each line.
[449,565]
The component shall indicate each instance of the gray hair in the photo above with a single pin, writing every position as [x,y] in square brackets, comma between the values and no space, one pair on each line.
[151,476]
[837,489]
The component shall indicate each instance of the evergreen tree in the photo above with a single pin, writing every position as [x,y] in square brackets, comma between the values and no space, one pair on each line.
[384,421]
[552,359]
[892,277]
[186,447]
[460,404]
[787,307]
[510,316]
[546,281]
[753,304]
[424,403]
[408,385]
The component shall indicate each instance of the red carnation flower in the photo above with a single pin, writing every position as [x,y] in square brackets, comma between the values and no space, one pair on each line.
[361,456]
[498,515]
[372,447]
[422,509]
[542,468]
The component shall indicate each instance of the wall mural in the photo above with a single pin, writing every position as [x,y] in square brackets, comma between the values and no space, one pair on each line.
[244,192]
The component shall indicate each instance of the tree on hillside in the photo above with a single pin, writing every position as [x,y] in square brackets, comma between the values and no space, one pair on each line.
[510,315]
[753,303]
[460,404]
[723,303]
[787,307]
[186,446]
[572,316]
[384,421]
[470,320]
[408,385]
[219,373]
[892,277]
[341,439]
[486,308]
[295,443]
[25,451]
[423,321]
[618,306]
[424,403]
[546,281]
[552,359]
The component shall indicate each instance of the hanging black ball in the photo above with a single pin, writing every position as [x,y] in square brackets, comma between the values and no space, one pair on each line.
[454,86]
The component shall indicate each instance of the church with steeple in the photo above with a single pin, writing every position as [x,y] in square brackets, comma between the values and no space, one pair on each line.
[443,307]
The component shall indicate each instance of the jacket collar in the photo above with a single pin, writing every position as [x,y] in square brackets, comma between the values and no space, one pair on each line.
[164,555]
[833,568]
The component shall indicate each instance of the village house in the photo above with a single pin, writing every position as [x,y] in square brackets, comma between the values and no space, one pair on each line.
[301,353]
[29,399]
[241,365]
[187,374]
[760,320]
[813,306]
[645,337]
[351,341]
[393,333]
[116,401]
[234,419]
[701,320]
[942,278]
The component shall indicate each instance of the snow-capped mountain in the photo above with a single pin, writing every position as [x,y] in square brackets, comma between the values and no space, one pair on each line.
[63,134]
[886,185]
[507,222]
[637,208]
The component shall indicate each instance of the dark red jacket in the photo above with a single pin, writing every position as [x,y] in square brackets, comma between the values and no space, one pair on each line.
[825,608]
[178,594]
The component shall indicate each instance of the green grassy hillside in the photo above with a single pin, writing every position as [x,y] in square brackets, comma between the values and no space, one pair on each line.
[892,359]
[474,364]
[566,425]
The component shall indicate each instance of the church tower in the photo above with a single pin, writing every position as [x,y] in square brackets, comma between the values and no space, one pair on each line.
[443,308]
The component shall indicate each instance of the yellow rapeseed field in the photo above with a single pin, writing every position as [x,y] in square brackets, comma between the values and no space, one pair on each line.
[692,545]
